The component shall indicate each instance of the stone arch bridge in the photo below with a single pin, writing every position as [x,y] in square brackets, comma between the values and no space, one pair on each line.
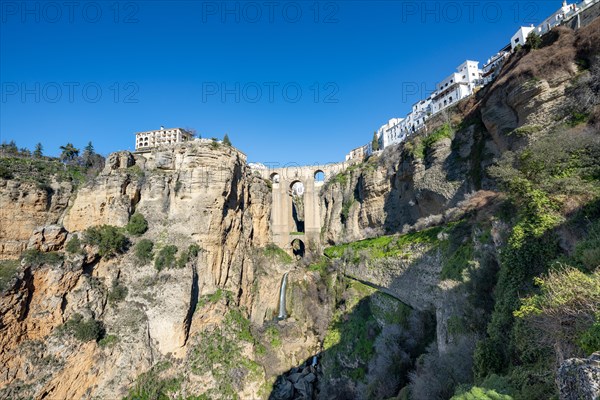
[284,226]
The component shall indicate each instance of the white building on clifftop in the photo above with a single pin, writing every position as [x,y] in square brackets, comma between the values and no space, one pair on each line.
[150,139]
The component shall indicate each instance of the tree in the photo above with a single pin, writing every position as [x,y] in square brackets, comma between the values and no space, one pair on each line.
[534,41]
[137,224]
[39,151]
[375,142]
[69,152]
[88,154]
[9,149]
[226,140]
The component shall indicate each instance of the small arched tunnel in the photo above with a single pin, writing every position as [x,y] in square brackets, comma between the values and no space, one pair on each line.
[298,248]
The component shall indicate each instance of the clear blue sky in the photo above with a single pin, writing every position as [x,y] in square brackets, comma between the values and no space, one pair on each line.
[235,67]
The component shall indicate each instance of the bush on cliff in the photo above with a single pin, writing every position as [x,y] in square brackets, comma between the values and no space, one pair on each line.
[74,245]
[109,240]
[84,330]
[166,257]
[137,224]
[143,251]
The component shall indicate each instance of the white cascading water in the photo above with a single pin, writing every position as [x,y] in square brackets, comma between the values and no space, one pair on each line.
[282,313]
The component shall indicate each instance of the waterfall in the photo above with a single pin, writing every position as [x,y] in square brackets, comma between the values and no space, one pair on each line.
[282,313]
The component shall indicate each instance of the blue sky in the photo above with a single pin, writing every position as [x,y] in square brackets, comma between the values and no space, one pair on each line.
[289,81]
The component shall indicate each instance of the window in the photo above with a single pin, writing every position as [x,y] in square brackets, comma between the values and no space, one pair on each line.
[517,40]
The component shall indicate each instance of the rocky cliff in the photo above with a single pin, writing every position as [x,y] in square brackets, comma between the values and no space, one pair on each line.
[191,194]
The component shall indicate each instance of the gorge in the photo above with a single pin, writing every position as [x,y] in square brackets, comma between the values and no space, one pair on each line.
[431,271]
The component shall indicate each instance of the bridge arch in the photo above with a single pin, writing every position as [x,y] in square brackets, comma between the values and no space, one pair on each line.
[319,176]
[284,227]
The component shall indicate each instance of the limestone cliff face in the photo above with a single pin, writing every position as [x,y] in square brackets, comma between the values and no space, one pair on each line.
[25,206]
[192,193]
[394,191]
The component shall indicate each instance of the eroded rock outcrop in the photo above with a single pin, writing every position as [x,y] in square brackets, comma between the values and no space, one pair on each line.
[26,206]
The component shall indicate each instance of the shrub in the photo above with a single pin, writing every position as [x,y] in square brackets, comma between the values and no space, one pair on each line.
[567,304]
[109,240]
[479,393]
[109,340]
[589,341]
[117,293]
[534,41]
[85,331]
[74,245]
[143,251]
[8,269]
[137,224]
[166,257]
[275,253]
[5,173]
[37,258]
[186,256]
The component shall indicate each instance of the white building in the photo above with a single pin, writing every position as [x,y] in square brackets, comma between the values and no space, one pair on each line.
[386,133]
[150,139]
[493,66]
[457,86]
[519,38]
[557,17]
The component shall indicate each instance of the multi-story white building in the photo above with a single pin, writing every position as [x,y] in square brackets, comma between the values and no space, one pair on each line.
[557,17]
[150,139]
[457,86]
[493,66]
[386,133]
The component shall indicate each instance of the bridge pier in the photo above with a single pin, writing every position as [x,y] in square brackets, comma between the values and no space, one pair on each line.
[283,226]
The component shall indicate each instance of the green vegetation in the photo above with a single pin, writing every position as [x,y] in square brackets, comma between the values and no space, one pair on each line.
[69,153]
[226,140]
[8,269]
[143,251]
[84,330]
[375,142]
[277,254]
[346,205]
[109,240]
[219,352]
[41,171]
[273,336]
[321,266]
[458,251]
[478,393]
[215,297]
[189,255]
[152,386]
[523,337]
[564,310]
[534,41]
[136,171]
[526,130]
[108,341]
[137,224]
[352,332]
[166,257]
[214,144]
[74,245]
[385,246]
[420,146]
[117,293]
[36,257]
